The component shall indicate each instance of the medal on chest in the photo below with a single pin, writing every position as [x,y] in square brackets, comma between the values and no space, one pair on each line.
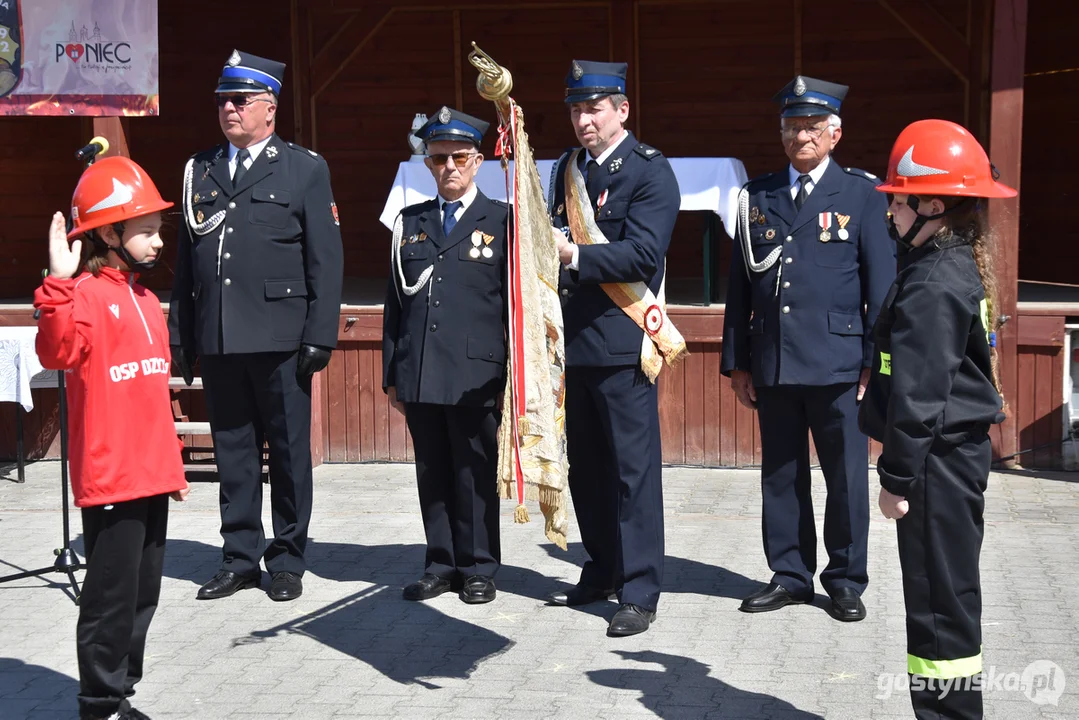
[825,219]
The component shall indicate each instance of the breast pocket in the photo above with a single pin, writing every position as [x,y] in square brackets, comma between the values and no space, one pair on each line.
[765,237]
[611,217]
[838,251]
[414,260]
[270,207]
[476,269]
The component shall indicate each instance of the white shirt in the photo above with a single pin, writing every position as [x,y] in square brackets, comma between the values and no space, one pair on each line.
[254,151]
[465,201]
[604,156]
[814,177]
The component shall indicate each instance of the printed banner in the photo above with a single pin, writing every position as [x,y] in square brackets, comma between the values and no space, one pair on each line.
[92,57]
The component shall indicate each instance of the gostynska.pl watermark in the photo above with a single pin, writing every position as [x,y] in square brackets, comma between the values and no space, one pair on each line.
[1042,682]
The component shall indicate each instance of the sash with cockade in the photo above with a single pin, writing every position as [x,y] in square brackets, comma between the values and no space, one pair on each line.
[662,341]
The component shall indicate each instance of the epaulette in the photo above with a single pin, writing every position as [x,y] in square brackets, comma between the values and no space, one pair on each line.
[420,207]
[759,178]
[862,174]
[500,203]
[647,151]
[302,150]
[211,155]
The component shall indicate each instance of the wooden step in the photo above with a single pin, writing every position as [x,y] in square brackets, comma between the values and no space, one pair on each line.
[192,428]
[176,383]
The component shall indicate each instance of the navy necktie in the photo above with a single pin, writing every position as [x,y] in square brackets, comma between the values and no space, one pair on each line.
[449,216]
[241,157]
[594,180]
[803,191]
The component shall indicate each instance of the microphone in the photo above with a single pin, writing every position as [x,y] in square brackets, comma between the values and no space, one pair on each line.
[97,146]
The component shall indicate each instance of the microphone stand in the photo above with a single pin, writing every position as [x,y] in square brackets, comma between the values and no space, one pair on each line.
[67,562]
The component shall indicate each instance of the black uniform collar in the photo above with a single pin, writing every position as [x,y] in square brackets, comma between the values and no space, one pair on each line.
[932,245]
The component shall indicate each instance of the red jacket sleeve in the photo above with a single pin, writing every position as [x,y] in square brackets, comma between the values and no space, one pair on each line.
[63,331]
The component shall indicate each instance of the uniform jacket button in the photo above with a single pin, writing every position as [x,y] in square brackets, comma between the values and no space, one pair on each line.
[786,284]
[228,281]
[229,229]
[440,258]
[438,279]
[434,327]
[565,291]
[788,261]
[786,309]
[437,303]
[232,206]
[228,255]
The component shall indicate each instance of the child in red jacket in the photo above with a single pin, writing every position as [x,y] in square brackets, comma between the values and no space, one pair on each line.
[109,335]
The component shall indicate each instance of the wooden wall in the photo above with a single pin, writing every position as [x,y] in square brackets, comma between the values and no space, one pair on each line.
[702,422]
[1049,247]
[38,169]
[702,75]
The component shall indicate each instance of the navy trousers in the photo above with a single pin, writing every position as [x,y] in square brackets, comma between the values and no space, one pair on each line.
[787,415]
[615,478]
[457,476]
[251,397]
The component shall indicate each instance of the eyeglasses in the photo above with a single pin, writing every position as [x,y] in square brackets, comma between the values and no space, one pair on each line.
[240,100]
[813,131]
[460,159]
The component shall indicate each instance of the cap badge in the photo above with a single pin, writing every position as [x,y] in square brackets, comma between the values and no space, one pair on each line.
[578,71]
[234,59]
[444,115]
[800,87]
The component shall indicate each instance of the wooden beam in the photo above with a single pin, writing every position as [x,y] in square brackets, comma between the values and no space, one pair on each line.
[797,37]
[301,72]
[622,47]
[115,130]
[458,79]
[353,36]
[933,31]
[1005,151]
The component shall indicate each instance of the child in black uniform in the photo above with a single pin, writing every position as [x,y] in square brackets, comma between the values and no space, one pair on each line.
[933,395]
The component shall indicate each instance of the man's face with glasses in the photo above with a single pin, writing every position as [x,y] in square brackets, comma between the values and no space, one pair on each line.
[808,140]
[246,118]
[453,165]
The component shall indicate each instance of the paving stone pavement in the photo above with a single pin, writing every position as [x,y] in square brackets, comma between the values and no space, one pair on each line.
[351,647]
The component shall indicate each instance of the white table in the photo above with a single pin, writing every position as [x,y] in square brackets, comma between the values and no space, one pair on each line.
[705,184]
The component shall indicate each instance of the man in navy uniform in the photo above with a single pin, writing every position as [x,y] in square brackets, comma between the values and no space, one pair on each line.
[612,412]
[812,263]
[257,297]
[444,358]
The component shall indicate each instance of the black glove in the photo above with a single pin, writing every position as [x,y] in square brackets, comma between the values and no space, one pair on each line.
[312,359]
[183,361]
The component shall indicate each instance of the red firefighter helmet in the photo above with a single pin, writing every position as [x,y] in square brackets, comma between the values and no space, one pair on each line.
[938,157]
[112,190]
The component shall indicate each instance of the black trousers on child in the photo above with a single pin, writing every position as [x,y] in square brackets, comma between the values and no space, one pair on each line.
[125,551]
[940,541]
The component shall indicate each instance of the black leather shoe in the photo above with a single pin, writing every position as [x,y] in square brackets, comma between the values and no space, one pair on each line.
[478,589]
[630,620]
[426,587]
[847,606]
[226,583]
[286,586]
[579,595]
[772,597]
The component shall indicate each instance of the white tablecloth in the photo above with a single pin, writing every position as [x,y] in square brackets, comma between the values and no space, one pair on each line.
[705,184]
[20,369]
